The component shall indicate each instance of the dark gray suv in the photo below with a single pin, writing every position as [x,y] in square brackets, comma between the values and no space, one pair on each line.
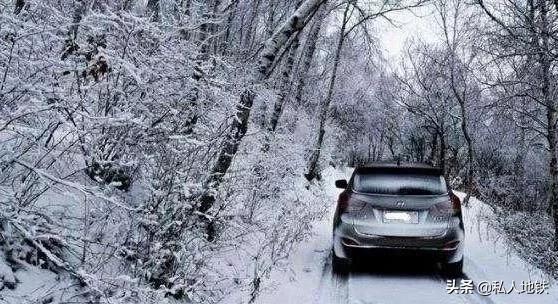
[398,209]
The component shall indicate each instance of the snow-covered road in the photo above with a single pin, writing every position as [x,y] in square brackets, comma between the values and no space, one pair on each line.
[488,259]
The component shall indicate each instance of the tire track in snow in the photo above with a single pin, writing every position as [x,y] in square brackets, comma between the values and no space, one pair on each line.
[482,299]
[392,282]
[473,298]
[326,268]
[332,288]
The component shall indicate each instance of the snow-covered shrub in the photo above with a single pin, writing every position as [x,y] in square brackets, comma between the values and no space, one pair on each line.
[102,164]
[532,236]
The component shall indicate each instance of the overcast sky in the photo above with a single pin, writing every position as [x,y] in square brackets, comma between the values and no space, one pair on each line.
[420,23]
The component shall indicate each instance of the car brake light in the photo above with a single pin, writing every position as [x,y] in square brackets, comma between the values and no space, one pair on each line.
[451,245]
[451,207]
[455,202]
[347,204]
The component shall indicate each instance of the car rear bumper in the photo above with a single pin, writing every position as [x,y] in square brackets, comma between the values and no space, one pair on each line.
[446,247]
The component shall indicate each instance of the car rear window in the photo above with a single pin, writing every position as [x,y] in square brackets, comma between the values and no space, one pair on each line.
[400,184]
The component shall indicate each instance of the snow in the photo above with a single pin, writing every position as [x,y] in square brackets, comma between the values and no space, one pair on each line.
[307,278]
[490,258]
[36,285]
[487,258]
[7,277]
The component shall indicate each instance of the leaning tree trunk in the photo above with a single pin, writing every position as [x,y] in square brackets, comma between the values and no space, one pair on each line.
[197,74]
[236,133]
[312,170]
[309,55]
[261,111]
[285,85]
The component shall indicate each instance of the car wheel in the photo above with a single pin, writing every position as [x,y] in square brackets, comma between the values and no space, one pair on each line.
[339,266]
[453,269]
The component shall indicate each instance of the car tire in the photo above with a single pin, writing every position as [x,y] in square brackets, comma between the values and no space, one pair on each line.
[339,265]
[453,269]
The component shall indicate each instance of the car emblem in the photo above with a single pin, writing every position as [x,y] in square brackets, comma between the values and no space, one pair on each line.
[400,204]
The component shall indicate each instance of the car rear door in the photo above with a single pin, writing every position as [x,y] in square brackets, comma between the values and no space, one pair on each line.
[399,203]
[401,216]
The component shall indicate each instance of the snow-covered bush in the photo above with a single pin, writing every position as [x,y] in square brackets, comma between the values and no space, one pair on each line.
[532,236]
[111,120]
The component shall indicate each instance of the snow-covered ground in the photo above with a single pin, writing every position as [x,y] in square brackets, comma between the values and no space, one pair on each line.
[34,283]
[308,279]
[487,259]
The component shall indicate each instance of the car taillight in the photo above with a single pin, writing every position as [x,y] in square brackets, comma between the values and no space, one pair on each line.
[347,204]
[456,203]
[451,207]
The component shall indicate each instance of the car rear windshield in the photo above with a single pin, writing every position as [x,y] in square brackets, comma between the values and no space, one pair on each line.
[400,184]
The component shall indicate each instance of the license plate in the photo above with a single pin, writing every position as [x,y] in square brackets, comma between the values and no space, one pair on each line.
[407,217]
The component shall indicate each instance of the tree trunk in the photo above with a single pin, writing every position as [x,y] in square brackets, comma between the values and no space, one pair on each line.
[433,148]
[442,151]
[551,115]
[522,149]
[214,27]
[458,83]
[127,5]
[552,119]
[78,15]
[461,100]
[308,55]
[261,111]
[250,32]
[19,4]
[153,8]
[391,148]
[227,35]
[270,22]
[312,170]
[285,85]
[470,152]
[201,57]
[188,8]
[293,24]
[70,44]
[553,172]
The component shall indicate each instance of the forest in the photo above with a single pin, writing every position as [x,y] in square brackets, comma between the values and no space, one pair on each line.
[171,151]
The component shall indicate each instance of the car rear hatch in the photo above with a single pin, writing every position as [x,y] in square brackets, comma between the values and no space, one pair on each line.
[400,202]
[399,216]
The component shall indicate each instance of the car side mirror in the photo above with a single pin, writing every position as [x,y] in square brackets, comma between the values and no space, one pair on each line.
[341,184]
